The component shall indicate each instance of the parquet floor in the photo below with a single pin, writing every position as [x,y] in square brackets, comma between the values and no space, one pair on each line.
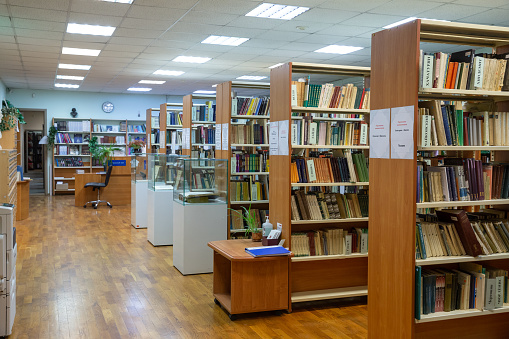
[84,273]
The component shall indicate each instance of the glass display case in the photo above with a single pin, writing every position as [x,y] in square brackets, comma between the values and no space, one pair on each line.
[201,181]
[139,171]
[161,171]
[139,167]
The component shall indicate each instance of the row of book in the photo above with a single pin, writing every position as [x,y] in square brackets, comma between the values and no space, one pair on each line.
[154,122]
[174,118]
[248,190]
[250,133]
[238,223]
[348,167]
[205,112]
[471,286]
[173,137]
[305,131]
[73,126]
[462,180]
[203,155]
[250,106]
[327,95]
[465,70]
[245,162]
[61,138]
[136,128]
[203,135]
[325,206]
[108,139]
[67,150]
[69,162]
[106,128]
[198,179]
[136,137]
[332,241]
[444,125]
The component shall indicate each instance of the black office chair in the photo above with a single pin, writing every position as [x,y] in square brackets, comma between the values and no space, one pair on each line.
[98,185]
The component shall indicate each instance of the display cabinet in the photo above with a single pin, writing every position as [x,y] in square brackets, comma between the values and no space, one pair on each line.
[139,187]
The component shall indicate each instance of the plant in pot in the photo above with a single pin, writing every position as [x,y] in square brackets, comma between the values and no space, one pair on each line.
[252,224]
[10,116]
[136,146]
[106,155]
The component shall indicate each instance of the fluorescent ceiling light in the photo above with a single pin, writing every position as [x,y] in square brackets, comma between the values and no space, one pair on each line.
[80,51]
[337,49]
[69,77]
[273,11]
[72,66]
[194,60]
[90,29]
[204,92]
[165,72]
[67,86]
[276,65]
[404,21]
[139,89]
[224,40]
[120,1]
[251,77]
[214,85]
[152,82]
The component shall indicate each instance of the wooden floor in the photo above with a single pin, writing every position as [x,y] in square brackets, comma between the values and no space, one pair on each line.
[84,273]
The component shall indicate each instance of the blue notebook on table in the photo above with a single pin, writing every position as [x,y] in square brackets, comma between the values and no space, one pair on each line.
[267,251]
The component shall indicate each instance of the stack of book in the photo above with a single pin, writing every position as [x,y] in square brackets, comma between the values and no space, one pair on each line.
[68,139]
[305,131]
[348,167]
[331,241]
[137,128]
[247,190]
[203,135]
[250,133]
[112,139]
[106,128]
[174,136]
[326,206]
[205,112]
[464,70]
[462,180]
[245,162]
[69,162]
[250,106]
[348,96]
[174,118]
[73,126]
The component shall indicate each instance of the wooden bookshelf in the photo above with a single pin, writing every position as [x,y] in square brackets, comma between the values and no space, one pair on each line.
[151,147]
[189,123]
[225,116]
[395,83]
[317,277]
[163,121]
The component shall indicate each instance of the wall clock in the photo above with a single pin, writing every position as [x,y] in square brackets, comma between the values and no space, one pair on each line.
[108,107]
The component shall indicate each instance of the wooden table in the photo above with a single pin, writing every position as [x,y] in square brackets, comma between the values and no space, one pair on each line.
[22,199]
[245,284]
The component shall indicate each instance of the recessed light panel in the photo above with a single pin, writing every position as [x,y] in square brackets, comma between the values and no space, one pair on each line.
[204,92]
[273,11]
[337,49]
[224,40]
[67,86]
[276,65]
[69,77]
[90,29]
[80,51]
[72,66]
[120,1]
[251,77]
[152,82]
[166,72]
[139,89]
[191,59]
[404,21]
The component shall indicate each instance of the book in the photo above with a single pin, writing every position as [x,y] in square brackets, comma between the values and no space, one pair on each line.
[267,251]
[464,228]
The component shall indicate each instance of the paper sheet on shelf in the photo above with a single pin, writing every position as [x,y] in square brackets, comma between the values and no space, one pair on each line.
[218,137]
[274,138]
[224,137]
[283,137]
[402,132]
[379,133]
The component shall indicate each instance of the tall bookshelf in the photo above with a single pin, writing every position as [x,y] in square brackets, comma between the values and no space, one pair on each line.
[131,129]
[152,130]
[393,205]
[313,277]
[164,110]
[225,93]
[190,124]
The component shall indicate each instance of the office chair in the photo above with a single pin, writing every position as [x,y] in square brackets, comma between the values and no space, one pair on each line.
[98,185]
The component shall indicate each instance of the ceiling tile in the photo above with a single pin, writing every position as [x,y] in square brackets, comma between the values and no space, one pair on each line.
[182,4]
[356,6]
[39,25]
[99,7]
[169,15]
[173,44]
[40,42]
[490,17]
[38,14]
[94,19]
[137,33]
[252,22]
[85,38]
[123,48]
[263,43]
[36,33]
[451,12]
[181,36]
[239,7]
[406,8]
[202,16]
[136,23]
[130,41]
[346,30]
[5,21]
[41,48]
[372,20]
[282,35]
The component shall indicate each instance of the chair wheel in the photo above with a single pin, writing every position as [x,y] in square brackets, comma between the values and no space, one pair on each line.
[95,207]
[111,206]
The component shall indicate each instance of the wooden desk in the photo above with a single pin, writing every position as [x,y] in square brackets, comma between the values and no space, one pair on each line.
[118,191]
[22,199]
[245,284]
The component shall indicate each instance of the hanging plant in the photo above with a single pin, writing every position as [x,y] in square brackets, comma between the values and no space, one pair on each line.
[51,136]
[10,115]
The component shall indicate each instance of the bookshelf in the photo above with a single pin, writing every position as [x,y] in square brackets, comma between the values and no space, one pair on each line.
[227,99]
[393,203]
[191,124]
[152,116]
[327,276]
[165,111]
[66,150]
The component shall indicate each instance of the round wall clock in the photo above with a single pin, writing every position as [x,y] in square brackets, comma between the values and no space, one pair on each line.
[108,107]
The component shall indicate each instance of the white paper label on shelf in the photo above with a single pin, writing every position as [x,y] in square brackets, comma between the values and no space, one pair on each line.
[402,132]
[284,126]
[273,138]
[162,139]
[173,142]
[379,133]
[294,95]
[311,170]
[224,137]
[186,138]
[218,137]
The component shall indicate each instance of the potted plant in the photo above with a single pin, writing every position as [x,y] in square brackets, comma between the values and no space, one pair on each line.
[51,136]
[106,155]
[10,116]
[252,225]
[136,146]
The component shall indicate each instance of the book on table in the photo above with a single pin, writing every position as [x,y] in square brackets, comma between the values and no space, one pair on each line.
[267,251]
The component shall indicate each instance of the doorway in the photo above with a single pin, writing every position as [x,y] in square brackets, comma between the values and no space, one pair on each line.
[33,154]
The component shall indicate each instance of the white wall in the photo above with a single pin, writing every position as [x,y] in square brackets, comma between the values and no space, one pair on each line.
[3,91]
